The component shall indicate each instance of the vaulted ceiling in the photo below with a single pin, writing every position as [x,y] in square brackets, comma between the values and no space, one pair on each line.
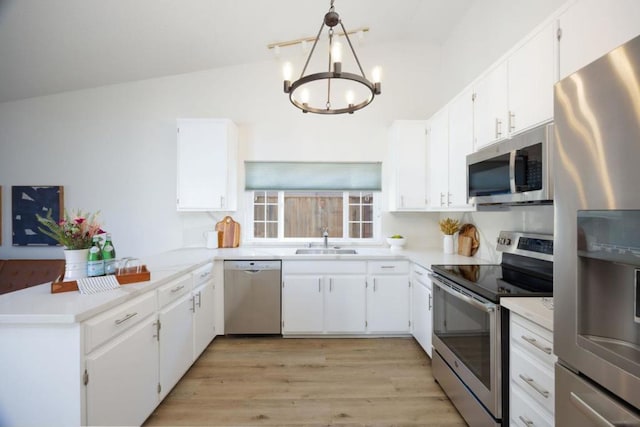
[48,47]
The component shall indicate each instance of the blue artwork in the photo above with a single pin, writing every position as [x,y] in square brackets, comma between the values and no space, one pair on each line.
[26,202]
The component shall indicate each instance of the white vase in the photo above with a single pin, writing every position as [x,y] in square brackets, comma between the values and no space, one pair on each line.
[447,243]
[75,264]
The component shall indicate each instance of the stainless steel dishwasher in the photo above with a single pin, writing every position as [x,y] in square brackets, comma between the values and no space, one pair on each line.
[252,297]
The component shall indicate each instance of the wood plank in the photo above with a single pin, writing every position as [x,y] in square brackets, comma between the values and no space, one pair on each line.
[298,382]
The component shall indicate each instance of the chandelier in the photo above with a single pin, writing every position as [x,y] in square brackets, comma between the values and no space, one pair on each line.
[331,81]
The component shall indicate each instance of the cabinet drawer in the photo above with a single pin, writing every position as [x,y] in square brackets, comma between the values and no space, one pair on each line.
[524,412]
[107,325]
[172,291]
[532,339]
[324,267]
[388,267]
[535,379]
[202,275]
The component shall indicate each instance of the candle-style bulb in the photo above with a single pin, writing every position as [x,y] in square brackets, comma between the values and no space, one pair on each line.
[376,75]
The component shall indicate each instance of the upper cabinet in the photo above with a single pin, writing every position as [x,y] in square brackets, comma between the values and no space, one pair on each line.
[517,93]
[207,165]
[591,28]
[408,170]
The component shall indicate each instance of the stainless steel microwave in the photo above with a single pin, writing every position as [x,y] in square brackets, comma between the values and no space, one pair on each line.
[515,171]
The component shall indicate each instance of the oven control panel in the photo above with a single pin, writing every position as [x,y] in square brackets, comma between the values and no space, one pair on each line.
[529,244]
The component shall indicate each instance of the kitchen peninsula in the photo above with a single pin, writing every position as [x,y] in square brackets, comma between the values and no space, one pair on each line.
[97,352]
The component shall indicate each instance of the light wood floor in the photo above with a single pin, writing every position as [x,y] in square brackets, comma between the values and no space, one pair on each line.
[308,382]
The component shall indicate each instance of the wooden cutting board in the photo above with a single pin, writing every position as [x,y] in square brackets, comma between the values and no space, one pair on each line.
[230,232]
[468,240]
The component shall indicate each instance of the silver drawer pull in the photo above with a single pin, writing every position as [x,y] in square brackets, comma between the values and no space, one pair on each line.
[177,288]
[535,343]
[526,421]
[419,273]
[534,386]
[387,266]
[125,318]
[205,274]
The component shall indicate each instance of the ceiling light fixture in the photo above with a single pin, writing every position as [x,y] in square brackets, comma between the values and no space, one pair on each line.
[298,90]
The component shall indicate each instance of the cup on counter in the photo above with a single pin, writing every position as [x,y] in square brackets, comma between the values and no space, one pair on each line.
[212,239]
[128,266]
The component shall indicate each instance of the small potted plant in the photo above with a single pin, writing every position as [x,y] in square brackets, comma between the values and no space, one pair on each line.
[396,241]
[449,227]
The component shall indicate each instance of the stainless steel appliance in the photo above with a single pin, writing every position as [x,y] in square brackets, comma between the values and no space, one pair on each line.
[514,171]
[597,222]
[470,331]
[252,297]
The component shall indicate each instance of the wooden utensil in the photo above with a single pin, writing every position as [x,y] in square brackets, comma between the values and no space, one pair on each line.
[468,240]
[230,232]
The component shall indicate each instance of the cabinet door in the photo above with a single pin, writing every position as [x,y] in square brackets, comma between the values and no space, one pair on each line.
[206,166]
[176,341]
[531,78]
[429,329]
[490,107]
[123,377]
[408,152]
[460,144]
[302,304]
[388,304]
[345,304]
[439,158]
[204,329]
[591,28]
[419,312]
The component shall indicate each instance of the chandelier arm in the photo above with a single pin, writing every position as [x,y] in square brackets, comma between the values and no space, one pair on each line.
[352,49]
[328,104]
[312,49]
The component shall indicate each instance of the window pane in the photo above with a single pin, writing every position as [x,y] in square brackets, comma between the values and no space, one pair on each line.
[272,230]
[258,197]
[272,197]
[272,212]
[354,213]
[258,229]
[367,230]
[258,212]
[367,213]
[354,198]
[367,198]
[354,230]
[306,214]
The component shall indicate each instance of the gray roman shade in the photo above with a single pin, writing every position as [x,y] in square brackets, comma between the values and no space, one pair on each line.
[340,176]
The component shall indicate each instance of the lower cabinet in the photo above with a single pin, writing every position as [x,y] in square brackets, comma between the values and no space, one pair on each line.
[345,304]
[388,297]
[422,307]
[204,327]
[302,304]
[122,377]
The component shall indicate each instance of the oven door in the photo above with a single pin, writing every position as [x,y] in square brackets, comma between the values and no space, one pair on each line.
[466,333]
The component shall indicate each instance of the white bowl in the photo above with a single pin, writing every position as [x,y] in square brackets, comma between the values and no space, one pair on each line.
[396,243]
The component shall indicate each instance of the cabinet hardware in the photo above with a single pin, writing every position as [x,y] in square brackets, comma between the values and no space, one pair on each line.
[331,285]
[512,121]
[283,323]
[222,201]
[283,284]
[125,318]
[430,306]
[559,33]
[402,201]
[85,377]
[441,199]
[366,323]
[473,97]
[374,285]
[498,128]
[157,325]
[409,323]
[159,388]
[419,273]
[199,299]
[193,303]
[526,421]
[535,343]
[319,284]
[387,266]
[449,197]
[177,288]
[534,386]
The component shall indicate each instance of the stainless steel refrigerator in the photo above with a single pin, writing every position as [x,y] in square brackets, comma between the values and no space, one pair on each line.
[597,242]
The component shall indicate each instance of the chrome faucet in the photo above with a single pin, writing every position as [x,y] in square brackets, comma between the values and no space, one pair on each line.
[325,235]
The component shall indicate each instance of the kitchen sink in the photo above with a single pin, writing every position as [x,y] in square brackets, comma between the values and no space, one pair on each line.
[323,251]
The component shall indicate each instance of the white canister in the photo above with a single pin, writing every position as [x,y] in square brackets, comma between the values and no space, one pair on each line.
[212,239]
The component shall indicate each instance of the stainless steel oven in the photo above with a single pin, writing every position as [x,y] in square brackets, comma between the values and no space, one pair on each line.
[514,171]
[470,330]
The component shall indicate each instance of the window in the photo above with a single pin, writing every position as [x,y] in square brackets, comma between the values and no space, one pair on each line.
[297,215]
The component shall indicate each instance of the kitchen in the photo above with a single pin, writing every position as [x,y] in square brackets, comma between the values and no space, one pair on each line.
[111,118]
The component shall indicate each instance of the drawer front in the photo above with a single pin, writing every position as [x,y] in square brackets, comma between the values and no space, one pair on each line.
[388,267]
[202,275]
[532,339]
[172,291]
[535,379]
[113,322]
[324,267]
[525,412]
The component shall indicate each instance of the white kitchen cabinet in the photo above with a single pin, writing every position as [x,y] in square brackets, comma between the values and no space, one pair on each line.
[345,304]
[532,72]
[591,28]
[490,107]
[204,323]
[207,165]
[122,377]
[408,166]
[422,307]
[450,140]
[176,332]
[388,297]
[302,304]
[531,365]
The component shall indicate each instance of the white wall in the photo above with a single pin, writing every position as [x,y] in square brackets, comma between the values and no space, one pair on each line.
[113,147]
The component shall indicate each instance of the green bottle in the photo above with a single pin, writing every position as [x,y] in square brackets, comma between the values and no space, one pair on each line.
[109,256]
[95,266]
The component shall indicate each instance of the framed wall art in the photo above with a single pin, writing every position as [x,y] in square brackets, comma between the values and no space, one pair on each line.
[26,202]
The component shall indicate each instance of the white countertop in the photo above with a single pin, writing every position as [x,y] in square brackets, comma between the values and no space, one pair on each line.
[38,305]
[531,308]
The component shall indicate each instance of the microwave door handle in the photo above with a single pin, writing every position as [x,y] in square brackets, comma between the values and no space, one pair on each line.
[512,171]
[477,304]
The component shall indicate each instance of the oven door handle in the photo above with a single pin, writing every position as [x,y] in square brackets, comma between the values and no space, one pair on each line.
[477,304]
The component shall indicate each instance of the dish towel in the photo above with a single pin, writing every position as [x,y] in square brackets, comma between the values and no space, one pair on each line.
[94,285]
